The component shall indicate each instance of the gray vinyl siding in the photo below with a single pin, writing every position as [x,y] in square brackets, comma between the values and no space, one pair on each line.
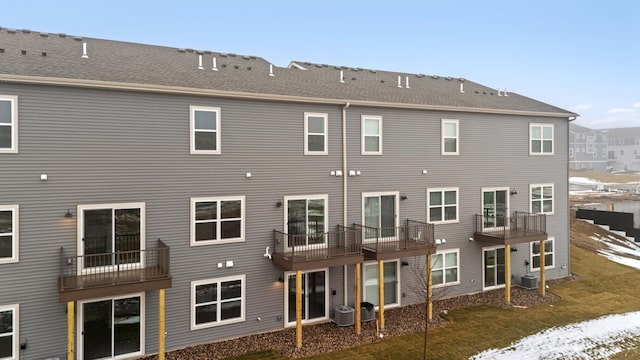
[100,146]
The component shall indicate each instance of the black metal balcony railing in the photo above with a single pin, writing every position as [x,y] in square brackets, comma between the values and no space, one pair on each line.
[521,224]
[342,242]
[415,235]
[114,268]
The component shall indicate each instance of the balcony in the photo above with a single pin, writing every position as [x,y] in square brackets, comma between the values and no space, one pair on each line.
[520,228]
[312,251]
[414,239]
[111,274]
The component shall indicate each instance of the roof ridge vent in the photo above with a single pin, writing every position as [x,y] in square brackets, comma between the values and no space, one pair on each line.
[84,51]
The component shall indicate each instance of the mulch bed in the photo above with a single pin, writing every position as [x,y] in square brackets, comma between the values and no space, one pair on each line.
[327,337]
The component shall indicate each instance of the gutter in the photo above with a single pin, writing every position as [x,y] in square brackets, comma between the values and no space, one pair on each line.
[165,89]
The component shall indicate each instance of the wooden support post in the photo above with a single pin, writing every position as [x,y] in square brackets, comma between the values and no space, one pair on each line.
[543,289]
[161,325]
[299,309]
[70,331]
[507,274]
[429,289]
[381,293]
[357,300]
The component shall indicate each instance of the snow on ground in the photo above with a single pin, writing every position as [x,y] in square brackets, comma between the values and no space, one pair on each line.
[579,180]
[598,338]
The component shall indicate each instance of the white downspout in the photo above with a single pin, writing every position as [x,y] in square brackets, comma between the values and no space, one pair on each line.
[344,191]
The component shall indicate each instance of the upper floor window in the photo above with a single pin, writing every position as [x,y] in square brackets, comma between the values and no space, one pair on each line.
[371,135]
[315,134]
[205,130]
[306,220]
[8,124]
[9,331]
[8,234]
[570,152]
[442,205]
[445,268]
[540,139]
[217,302]
[549,256]
[450,137]
[216,220]
[541,198]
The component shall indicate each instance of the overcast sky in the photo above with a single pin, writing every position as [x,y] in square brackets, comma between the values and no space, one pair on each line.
[582,56]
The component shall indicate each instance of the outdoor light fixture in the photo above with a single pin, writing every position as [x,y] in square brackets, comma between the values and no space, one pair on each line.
[405,263]
[68,215]
[514,192]
[279,203]
[281,279]
[403,196]
[514,249]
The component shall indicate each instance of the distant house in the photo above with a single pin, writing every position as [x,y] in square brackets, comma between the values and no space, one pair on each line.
[259,197]
[587,148]
[623,148]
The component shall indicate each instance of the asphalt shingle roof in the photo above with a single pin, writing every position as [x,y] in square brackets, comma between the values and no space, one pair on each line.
[43,55]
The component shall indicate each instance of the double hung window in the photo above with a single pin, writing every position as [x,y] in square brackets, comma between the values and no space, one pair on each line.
[450,137]
[371,135]
[205,130]
[9,331]
[549,252]
[8,124]
[541,139]
[315,134]
[216,220]
[541,199]
[445,268]
[8,234]
[442,205]
[217,301]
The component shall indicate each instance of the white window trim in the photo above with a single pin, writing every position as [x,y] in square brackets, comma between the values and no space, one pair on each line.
[288,322]
[324,197]
[14,124]
[398,280]
[553,141]
[307,133]
[80,229]
[553,255]
[362,134]
[553,199]
[507,197]
[243,297]
[489,248]
[192,130]
[459,267]
[396,221]
[15,243]
[15,346]
[442,190]
[80,321]
[217,199]
[457,137]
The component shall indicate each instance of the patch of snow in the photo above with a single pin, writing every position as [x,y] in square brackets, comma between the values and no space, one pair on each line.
[634,263]
[579,180]
[598,338]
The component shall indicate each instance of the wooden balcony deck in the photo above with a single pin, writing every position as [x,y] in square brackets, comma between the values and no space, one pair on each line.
[414,239]
[520,228]
[114,276]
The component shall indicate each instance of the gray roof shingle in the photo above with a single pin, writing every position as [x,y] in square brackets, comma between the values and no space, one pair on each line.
[33,54]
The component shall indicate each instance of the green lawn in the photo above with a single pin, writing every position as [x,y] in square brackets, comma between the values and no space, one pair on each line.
[604,288]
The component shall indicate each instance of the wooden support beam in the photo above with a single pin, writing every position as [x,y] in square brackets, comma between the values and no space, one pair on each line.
[507,274]
[429,289]
[543,289]
[161,325]
[70,331]
[299,309]
[381,294]
[357,300]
